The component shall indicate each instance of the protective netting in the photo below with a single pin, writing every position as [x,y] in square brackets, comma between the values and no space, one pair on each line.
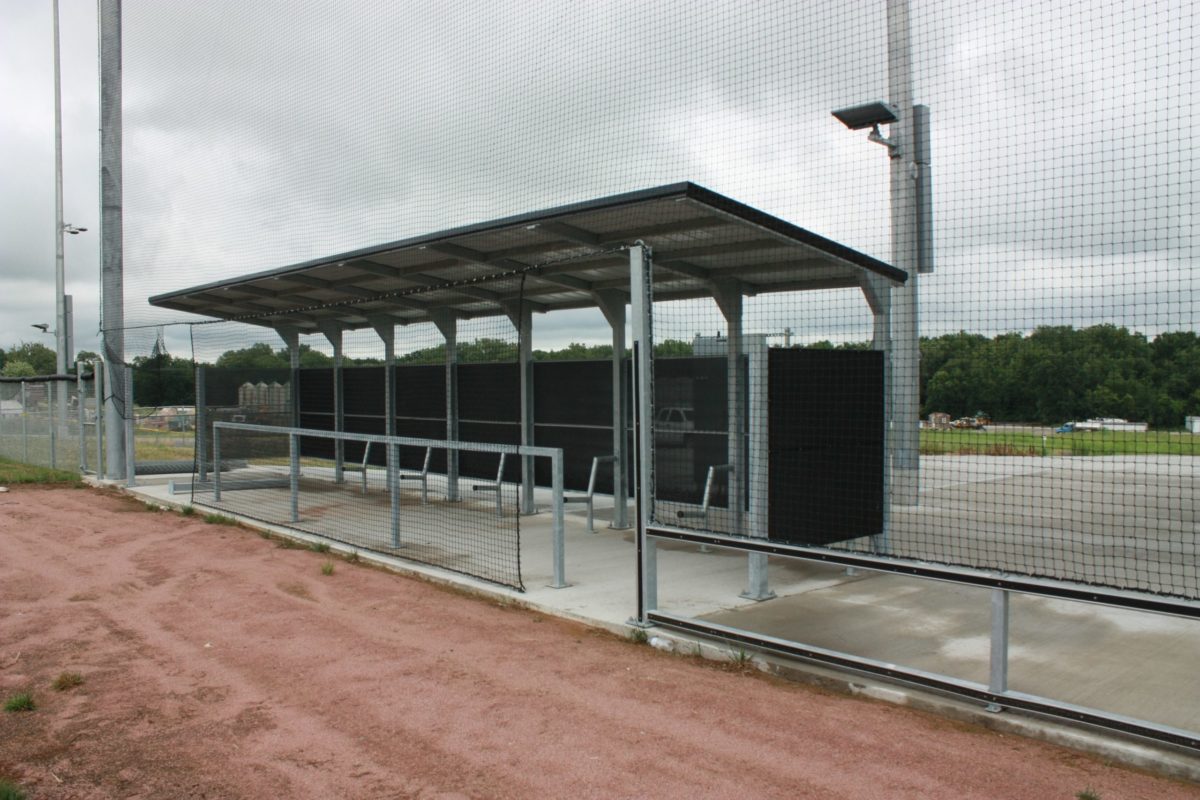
[1064,288]
[456,508]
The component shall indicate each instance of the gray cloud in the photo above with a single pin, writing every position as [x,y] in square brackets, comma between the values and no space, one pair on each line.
[262,134]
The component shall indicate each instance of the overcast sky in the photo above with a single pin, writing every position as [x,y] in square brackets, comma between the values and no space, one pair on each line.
[260,134]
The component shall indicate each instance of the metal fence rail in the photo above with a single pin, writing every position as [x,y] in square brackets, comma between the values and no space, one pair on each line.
[272,467]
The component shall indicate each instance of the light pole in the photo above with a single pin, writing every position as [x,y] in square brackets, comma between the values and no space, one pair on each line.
[912,249]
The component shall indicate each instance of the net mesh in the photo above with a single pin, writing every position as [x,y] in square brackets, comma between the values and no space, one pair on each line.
[1064,288]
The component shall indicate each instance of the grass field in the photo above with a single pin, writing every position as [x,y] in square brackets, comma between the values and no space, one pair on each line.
[1090,443]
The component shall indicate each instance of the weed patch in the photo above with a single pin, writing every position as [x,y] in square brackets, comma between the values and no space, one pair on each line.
[219,519]
[20,702]
[67,680]
[10,790]
[187,511]
[327,568]
[319,547]
[638,636]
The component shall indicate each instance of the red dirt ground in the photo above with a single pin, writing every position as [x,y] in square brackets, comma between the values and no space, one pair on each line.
[219,665]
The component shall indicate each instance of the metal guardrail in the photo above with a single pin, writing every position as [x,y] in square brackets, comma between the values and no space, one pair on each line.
[393,444]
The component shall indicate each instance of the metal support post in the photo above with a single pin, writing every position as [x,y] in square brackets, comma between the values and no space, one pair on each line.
[728,295]
[877,292]
[522,319]
[24,424]
[216,479]
[641,300]
[757,456]
[393,472]
[447,324]
[385,328]
[334,335]
[98,389]
[905,385]
[50,401]
[294,474]
[560,559]
[201,420]
[998,671]
[130,431]
[80,414]
[612,304]
[291,338]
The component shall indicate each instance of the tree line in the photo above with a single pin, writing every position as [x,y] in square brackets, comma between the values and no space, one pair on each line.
[1054,374]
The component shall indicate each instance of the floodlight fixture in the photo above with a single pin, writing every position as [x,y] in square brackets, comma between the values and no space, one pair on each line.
[72,229]
[44,327]
[867,115]
[870,115]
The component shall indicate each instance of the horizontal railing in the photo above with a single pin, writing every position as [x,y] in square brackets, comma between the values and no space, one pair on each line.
[393,445]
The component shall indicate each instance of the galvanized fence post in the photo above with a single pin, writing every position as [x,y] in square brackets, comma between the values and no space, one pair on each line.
[393,478]
[53,423]
[130,430]
[560,559]
[294,476]
[24,424]
[216,464]
[200,421]
[79,407]
[98,390]
[998,672]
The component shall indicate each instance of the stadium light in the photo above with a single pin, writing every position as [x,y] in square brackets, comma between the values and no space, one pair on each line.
[870,115]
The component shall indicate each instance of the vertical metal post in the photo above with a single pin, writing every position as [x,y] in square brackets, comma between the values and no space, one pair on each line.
[385,328]
[393,471]
[201,421]
[448,325]
[998,671]
[81,415]
[877,292]
[728,296]
[294,474]
[130,430]
[641,300]
[612,304]
[98,389]
[905,383]
[757,365]
[560,558]
[24,424]
[50,401]
[525,351]
[111,237]
[216,464]
[334,335]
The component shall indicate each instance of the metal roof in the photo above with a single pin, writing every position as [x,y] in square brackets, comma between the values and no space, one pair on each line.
[547,260]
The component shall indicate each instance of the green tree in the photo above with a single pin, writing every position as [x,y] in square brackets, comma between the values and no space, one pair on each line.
[37,355]
[15,368]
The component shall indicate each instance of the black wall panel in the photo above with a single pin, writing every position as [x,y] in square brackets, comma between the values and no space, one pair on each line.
[826,445]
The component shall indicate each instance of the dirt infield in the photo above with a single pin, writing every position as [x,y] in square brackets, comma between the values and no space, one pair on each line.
[216,664]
